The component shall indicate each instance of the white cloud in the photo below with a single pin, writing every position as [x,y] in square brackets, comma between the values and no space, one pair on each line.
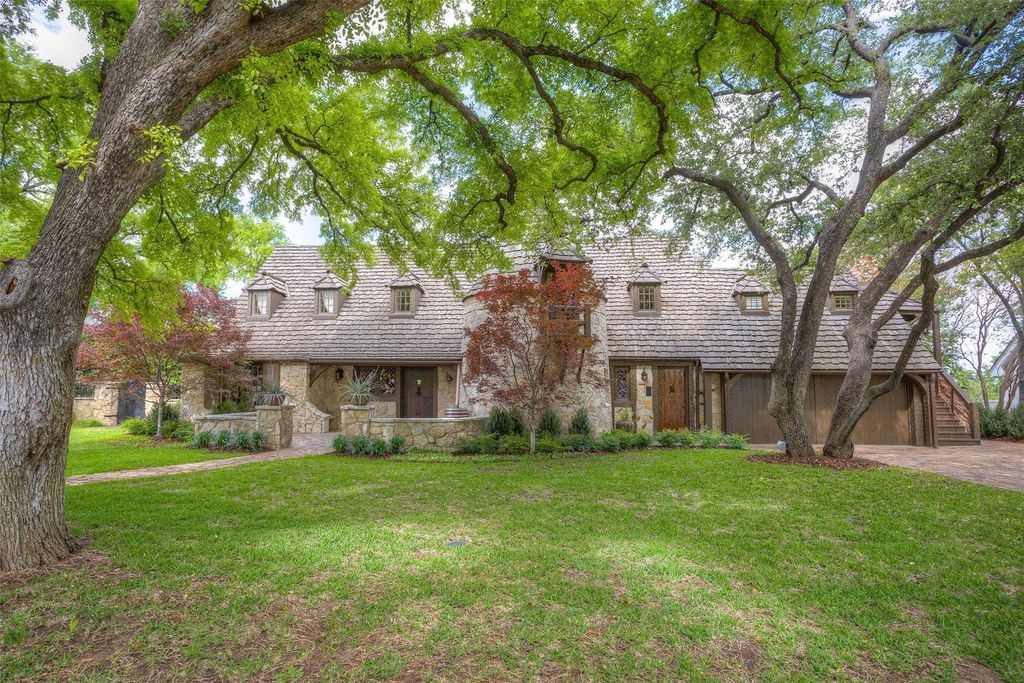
[59,42]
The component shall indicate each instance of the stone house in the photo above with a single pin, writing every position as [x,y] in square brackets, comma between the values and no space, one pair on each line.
[680,344]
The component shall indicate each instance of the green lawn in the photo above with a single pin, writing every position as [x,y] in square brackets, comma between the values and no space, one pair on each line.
[692,566]
[107,449]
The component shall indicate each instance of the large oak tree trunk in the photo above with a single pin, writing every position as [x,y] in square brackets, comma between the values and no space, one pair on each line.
[154,79]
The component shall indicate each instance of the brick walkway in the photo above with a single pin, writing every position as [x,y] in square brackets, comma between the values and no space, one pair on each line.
[302,445]
[993,463]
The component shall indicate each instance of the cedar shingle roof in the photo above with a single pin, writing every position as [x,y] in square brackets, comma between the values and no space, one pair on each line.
[364,329]
[699,319]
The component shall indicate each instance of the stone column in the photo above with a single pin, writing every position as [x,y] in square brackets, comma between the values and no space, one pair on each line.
[355,420]
[276,423]
[193,391]
[644,400]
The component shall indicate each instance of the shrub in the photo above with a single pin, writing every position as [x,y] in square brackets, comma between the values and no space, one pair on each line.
[202,440]
[339,443]
[359,445]
[513,444]
[504,422]
[709,438]
[549,425]
[607,442]
[995,424]
[624,438]
[466,445]
[738,441]
[1016,423]
[379,447]
[172,413]
[580,443]
[87,424]
[396,444]
[580,423]
[488,443]
[259,440]
[138,427]
[549,444]
[183,432]
[222,439]
[242,440]
[169,427]
[675,437]
[225,407]
[643,440]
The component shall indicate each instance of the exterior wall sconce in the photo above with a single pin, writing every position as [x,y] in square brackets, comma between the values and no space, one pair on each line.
[448,377]
[339,374]
[643,377]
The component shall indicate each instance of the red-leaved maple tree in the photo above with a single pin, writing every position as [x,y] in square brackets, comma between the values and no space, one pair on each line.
[205,333]
[535,338]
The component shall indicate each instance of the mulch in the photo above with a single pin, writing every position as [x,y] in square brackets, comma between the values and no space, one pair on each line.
[827,463]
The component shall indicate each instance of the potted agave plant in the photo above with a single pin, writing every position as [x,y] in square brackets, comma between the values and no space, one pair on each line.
[272,395]
[359,389]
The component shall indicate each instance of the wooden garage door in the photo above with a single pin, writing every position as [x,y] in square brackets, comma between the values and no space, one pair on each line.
[886,422]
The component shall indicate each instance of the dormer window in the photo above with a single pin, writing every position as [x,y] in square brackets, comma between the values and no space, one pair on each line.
[328,295]
[327,302]
[403,300]
[751,296]
[645,290]
[259,303]
[754,303]
[406,293]
[842,302]
[265,293]
[647,298]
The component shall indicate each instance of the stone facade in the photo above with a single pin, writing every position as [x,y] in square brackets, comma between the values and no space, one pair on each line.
[644,398]
[596,399]
[308,418]
[713,392]
[102,406]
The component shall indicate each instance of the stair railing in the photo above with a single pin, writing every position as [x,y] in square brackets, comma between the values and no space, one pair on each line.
[965,410]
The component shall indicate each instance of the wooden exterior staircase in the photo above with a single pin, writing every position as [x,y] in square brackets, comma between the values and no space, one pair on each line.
[956,418]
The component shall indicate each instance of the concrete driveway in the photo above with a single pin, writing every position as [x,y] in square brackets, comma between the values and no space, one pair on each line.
[993,463]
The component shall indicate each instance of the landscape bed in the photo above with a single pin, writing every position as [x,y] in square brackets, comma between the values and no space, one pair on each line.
[645,565]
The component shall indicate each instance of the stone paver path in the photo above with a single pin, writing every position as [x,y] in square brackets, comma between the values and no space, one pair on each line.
[302,445]
[993,463]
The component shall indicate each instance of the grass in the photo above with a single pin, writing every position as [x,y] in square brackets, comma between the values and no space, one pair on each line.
[109,449]
[691,565]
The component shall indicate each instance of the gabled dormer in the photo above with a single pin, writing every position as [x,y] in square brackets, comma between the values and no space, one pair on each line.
[843,294]
[644,287]
[328,296]
[542,265]
[406,293]
[752,296]
[265,294]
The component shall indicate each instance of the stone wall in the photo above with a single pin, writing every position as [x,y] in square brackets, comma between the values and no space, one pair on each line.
[440,433]
[102,406]
[232,422]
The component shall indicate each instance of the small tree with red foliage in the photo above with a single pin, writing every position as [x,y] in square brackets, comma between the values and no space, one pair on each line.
[205,332]
[535,336]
